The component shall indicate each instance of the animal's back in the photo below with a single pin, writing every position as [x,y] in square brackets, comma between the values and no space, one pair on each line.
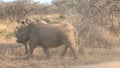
[53,35]
[46,35]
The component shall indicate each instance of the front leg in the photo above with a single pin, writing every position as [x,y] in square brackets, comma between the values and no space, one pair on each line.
[45,49]
[26,48]
[31,49]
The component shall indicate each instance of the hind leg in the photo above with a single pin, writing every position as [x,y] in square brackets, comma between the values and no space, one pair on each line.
[73,51]
[64,51]
[72,48]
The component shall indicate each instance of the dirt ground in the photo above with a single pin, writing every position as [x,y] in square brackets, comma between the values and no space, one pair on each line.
[9,51]
[113,64]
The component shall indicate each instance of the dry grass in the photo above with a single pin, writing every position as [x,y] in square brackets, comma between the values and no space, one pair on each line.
[92,54]
[7,31]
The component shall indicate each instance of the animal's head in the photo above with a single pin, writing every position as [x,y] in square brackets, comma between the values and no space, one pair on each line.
[22,31]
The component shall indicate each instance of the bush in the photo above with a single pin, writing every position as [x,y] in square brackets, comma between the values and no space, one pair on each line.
[46,20]
[1,21]
[61,16]
[10,35]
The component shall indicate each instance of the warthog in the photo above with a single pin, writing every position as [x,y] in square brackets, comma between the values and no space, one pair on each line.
[47,36]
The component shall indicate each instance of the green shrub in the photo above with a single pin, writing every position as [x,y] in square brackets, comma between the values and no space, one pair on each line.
[46,20]
[61,16]
[1,21]
[10,35]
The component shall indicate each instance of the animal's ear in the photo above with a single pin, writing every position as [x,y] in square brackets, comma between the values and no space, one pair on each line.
[28,21]
[23,22]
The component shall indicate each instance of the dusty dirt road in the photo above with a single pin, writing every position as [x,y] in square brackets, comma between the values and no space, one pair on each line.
[112,64]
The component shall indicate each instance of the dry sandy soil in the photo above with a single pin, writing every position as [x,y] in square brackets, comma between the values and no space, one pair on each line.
[113,64]
[90,57]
